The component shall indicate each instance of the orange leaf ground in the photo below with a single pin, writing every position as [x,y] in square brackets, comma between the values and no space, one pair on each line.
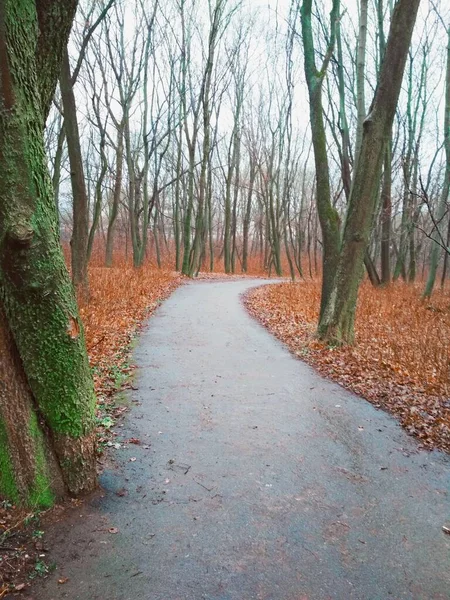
[401,358]
[120,300]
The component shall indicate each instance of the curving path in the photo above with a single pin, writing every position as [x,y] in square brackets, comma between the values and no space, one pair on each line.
[256,479]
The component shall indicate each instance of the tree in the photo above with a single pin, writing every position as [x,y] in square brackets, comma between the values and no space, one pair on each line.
[216,15]
[80,231]
[386,187]
[436,249]
[344,146]
[337,323]
[81,245]
[47,400]
[328,215]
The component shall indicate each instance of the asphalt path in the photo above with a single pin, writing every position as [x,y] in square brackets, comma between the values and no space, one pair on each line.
[255,478]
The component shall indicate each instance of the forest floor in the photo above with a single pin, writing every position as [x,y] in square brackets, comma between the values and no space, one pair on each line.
[401,358]
[240,473]
[121,299]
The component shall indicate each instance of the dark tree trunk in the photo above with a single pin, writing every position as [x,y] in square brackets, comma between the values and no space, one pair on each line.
[114,211]
[79,241]
[337,325]
[386,210]
[328,216]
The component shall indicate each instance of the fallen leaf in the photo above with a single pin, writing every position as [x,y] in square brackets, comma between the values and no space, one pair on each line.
[399,359]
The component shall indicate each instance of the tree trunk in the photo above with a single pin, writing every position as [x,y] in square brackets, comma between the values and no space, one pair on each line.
[386,213]
[187,234]
[248,212]
[360,75]
[371,270]
[436,249]
[328,216]
[79,241]
[343,123]
[98,202]
[337,326]
[116,199]
[210,220]
[386,188]
[177,211]
[227,212]
[54,416]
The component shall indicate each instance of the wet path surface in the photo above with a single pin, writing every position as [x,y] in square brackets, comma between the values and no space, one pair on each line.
[256,479]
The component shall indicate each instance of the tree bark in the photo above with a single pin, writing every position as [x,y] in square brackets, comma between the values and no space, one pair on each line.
[47,401]
[114,211]
[328,216]
[80,231]
[337,325]
[386,213]
[436,249]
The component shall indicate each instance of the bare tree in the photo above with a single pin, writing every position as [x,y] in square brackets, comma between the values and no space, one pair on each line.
[337,323]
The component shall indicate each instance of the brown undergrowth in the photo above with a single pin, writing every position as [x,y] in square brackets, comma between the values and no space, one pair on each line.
[401,358]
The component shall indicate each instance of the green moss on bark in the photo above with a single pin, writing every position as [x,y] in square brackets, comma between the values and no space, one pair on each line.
[8,488]
[41,495]
[35,287]
[39,291]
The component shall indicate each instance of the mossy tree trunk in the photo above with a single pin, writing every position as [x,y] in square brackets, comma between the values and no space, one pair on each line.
[328,215]
[337,325]
[47,401]
[28,465]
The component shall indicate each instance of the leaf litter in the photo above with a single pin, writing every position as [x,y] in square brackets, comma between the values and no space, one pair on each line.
[401,358]
[121,299]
